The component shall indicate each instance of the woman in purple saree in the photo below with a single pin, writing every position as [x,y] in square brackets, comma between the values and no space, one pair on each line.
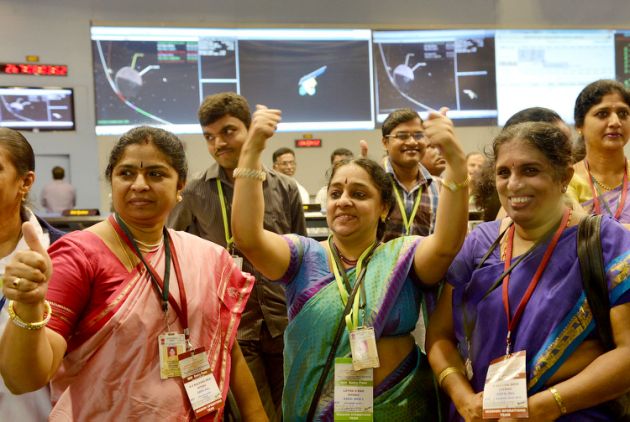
[569,374]
[602,118]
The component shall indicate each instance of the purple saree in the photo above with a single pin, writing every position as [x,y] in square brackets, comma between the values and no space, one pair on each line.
[557,318]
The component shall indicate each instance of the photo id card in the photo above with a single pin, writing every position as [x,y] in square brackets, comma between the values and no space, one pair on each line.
[354,392]
[363,348]
[505,390]
[170,345]
[201,387]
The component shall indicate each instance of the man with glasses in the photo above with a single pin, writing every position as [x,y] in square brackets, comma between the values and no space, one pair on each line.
[205,211]
[416,195]
[415,191]
[284,162]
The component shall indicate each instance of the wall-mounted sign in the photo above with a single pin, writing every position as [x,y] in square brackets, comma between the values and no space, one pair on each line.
[308,143]
[33,69]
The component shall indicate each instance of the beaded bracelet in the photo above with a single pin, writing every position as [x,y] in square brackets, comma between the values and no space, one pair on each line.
[453,186]
[249,174]
[30,325]
[558,398]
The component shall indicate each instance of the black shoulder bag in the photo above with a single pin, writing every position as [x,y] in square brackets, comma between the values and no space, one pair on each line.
[589,249]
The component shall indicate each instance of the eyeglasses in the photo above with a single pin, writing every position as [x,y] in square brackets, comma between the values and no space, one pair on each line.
[285,163]
[403,136]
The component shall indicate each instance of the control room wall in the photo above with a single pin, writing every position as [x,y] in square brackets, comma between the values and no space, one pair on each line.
[59,32]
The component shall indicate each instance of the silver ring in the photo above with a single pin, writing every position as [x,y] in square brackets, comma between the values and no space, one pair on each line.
[16,283]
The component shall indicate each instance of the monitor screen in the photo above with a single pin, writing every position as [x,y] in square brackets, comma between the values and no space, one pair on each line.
[320,79]
[549,68]
[37,108]
[622,54]
[426,70]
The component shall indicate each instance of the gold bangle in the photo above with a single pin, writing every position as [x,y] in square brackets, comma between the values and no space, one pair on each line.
[249,174]
[30,325]
[453,186]
[558,398]
[446,372]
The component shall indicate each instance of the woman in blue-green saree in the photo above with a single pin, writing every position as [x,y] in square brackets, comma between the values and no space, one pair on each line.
[319,276]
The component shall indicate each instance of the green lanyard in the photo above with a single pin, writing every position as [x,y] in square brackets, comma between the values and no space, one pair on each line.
[229,240]
[352,319]
[407,222]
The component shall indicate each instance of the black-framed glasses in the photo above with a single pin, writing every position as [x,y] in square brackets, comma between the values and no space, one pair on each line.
[404,136]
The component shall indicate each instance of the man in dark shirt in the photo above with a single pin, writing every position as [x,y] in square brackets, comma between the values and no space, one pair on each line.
[205,211]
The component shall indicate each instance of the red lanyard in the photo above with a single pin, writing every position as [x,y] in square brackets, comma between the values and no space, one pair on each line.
[182,313]
[624,191]
[513,322]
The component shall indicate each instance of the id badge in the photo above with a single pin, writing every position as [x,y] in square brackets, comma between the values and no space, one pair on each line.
[170,345]
[201,387]
[354,392]
[238,260]
[505,391]
[363,348]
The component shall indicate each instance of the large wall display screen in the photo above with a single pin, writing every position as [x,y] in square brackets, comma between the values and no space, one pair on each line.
[622,54]
[320,79]
[549,68]
[36,108]
[426,70]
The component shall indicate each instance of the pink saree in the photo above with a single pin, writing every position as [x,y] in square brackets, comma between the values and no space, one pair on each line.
[111,369]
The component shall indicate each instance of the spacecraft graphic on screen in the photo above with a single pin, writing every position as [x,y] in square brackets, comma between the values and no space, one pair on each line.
[308,83]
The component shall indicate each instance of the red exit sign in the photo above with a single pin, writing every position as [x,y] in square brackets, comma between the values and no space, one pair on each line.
[33,69]
[308,143]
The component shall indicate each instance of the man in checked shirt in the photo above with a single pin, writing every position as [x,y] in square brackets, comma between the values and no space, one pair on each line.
[205,211]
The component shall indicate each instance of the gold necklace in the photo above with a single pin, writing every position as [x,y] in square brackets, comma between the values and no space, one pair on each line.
[603,186]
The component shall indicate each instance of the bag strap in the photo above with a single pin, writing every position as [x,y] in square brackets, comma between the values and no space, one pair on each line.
[333,348]
[591,258]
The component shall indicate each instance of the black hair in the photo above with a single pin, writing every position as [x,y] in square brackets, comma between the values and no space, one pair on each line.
[21,155]
[546,138]
[216,106]
[19,150]
[166,142]
[397,117]
[341,152]
[592,95]
[281,151]
[533,114]
[58,173]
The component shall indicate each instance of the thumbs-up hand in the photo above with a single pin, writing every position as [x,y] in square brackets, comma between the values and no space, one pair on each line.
[264,124]
[439,131]
[26,276]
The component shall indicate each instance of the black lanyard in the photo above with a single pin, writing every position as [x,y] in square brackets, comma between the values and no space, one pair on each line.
[160,285]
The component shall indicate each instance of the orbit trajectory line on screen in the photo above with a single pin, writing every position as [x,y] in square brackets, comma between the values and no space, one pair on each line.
[119,94]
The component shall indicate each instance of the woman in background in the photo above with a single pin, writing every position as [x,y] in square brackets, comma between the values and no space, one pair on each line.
[17,175]
[602,118]
[95,327]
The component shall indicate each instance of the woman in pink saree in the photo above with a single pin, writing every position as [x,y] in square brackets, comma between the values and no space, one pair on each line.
[124,293]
